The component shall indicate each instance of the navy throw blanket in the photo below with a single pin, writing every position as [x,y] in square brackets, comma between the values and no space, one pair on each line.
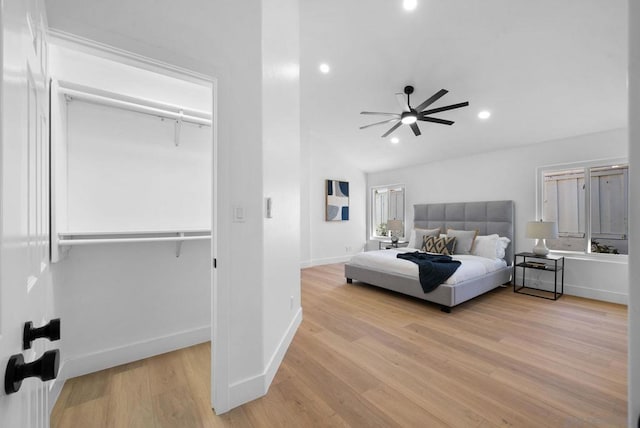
[434,268]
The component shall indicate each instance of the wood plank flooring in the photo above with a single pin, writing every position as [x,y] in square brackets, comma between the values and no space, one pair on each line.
[366,357]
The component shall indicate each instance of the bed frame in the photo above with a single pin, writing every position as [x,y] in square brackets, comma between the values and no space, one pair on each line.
[487,217]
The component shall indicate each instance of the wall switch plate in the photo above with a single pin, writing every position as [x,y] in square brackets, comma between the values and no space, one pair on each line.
[238,215]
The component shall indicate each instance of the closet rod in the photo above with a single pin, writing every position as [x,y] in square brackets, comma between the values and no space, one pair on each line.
[73,242]
[128,105]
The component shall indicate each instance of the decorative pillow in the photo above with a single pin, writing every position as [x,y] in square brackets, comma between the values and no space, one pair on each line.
[464,240]
[490,246]
[486,246]
[433,244]
[417,236]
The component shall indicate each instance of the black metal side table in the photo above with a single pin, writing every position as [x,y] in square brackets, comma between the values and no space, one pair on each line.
[547,263]
[388,244]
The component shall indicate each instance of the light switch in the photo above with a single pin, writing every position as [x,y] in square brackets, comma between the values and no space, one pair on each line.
[238,214]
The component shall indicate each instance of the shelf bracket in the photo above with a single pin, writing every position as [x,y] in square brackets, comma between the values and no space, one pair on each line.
[178,128]
[179,244]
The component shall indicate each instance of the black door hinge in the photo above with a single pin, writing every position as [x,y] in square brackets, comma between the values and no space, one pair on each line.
[215,263]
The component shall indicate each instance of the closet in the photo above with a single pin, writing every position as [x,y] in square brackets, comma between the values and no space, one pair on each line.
[135,170]
[132,167]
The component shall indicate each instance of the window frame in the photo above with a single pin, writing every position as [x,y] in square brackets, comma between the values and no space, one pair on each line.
[586,166]
[372,193]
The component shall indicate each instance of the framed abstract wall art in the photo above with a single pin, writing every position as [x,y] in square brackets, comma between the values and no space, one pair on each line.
[337,198]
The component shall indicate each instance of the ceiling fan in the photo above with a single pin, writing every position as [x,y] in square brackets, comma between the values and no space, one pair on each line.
[410,115]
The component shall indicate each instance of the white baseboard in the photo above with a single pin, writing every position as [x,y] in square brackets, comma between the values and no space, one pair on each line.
[580,291]
[104,359]
[330,260]
[305,264]
[257,386]
[596,294]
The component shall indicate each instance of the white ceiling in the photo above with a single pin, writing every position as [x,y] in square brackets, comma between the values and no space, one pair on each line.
[546,69]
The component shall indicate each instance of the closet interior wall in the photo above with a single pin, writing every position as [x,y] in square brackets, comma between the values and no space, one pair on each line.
[131,212]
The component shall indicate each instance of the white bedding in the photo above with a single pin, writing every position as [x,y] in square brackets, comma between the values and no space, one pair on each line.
[387,261]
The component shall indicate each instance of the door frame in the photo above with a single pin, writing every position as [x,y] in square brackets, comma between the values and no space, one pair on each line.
[219,295]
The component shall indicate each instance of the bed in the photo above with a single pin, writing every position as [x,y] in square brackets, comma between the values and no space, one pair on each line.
[383,269]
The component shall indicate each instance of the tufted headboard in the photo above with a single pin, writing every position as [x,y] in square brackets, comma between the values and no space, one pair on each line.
[488,217]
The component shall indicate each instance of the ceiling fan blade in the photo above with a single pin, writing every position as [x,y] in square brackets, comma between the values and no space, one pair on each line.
[435,97]
[445,108]
[402,100]
[380,113]
[393,128]
[415,129]
[378,123]
[436,120]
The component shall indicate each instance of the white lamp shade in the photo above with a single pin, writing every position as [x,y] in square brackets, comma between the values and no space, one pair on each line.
[395,225]
[542,229]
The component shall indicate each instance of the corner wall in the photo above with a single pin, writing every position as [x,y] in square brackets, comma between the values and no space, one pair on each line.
[634,213]
[511,175]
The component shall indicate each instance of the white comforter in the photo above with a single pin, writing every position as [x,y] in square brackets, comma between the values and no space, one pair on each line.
[386,261]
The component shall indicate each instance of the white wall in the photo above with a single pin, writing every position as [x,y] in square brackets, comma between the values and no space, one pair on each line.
[222,40]
[324,241]
[634,213]
[123,302]
[511,175]
[281,174]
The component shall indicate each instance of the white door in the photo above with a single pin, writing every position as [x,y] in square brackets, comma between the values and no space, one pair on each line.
[25,280]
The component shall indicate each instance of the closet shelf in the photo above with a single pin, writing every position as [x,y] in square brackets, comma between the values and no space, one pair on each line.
[90,238]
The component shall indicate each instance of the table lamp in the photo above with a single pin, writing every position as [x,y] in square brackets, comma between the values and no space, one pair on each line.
[541,230]
[394,228]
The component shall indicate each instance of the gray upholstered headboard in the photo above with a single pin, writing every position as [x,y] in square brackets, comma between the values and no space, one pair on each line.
[488,217]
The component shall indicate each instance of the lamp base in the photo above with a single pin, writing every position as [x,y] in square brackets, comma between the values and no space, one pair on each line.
[541,248]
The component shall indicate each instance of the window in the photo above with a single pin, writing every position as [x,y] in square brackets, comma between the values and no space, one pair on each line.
[387,203]
[591,213]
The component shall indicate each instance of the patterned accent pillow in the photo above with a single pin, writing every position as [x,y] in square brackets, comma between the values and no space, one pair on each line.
[433,244]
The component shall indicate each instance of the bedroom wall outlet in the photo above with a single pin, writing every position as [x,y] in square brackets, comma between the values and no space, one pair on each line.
[291,303]
[347,249]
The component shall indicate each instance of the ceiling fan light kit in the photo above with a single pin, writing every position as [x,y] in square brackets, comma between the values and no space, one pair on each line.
[410,115]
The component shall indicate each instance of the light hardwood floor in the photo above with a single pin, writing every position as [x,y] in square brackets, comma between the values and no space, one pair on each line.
[366,357]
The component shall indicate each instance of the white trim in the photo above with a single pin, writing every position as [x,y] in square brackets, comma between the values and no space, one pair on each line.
[106,358]
[102,50]
[306,264]
[580,291]
[220,295]
[257,386]
[330,260]
[281,350]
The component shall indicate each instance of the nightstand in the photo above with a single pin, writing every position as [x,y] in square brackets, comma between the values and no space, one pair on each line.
[547,263]
[387,244]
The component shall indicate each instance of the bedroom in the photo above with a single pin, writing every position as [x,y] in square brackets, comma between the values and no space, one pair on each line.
[321,244]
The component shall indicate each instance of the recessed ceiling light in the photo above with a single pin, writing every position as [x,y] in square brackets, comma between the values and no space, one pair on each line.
[324,68]
[395,140]
[409,4]
[484,114]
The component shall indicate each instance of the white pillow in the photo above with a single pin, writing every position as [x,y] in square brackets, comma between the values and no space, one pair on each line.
[486,246]
[417,236]
[503,243]
[490,246]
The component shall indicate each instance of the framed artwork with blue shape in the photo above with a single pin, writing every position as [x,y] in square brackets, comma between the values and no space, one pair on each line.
[337,193]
